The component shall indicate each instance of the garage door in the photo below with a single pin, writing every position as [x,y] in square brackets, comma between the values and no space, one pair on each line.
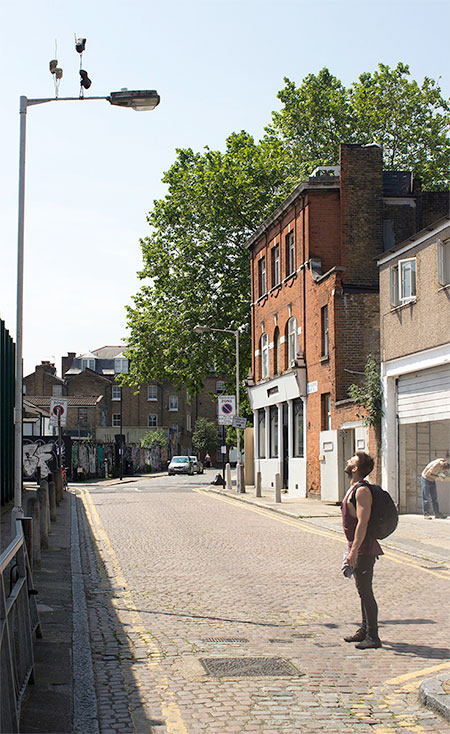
[424,395]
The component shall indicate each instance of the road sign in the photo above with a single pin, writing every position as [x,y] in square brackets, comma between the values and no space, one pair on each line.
[58,410]
[239,422]
[226,409]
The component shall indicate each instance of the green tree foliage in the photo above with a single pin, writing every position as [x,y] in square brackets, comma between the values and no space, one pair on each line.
[369,394]
[205,436]
[155,437]
[196,269]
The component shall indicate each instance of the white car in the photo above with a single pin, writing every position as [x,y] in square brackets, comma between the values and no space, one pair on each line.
[198,466]
[180,465]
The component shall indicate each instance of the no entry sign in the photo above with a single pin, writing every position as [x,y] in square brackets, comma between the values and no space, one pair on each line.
[226,409]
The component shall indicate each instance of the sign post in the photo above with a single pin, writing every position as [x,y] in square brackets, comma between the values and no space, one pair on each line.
[58,417]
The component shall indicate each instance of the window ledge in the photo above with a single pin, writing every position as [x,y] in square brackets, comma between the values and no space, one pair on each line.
[275,290]
[403,305]
[292,276]
[324,359]
[444,287]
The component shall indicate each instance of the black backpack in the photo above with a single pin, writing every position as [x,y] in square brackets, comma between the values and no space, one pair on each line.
[384,514]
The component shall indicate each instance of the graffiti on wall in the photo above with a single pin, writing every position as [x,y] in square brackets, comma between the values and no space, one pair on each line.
[40,456]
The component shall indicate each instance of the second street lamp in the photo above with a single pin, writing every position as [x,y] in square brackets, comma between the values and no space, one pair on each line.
[138,100]
[199,329]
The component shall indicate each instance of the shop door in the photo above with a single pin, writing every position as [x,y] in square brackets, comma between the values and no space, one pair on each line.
[285,448]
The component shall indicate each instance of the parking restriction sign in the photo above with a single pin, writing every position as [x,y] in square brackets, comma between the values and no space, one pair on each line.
[226,409]
[58,410]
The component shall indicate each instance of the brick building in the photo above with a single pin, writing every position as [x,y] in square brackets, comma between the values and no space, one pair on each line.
[315,314]
[98,405]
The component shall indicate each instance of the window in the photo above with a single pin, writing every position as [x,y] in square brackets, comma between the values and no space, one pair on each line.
[152,392]
[276,352]
[189,422]
[443,254]
[292,340]
[273,426]
[324,330]
[262,276]
[116,419]
[261,434]
[82,417]
[299,450]
[220,387]
[120,366]
[265,355]
[326,411]
[152,420]
[275,265]
[290,254]
[57,390]
[173,402]
[116,392]
[403,282]
[88,364]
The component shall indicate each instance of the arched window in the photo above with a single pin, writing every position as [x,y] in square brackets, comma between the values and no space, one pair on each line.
[265,355]
[276,352]
[291,339]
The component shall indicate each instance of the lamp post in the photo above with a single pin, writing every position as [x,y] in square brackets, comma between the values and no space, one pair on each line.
[139,100]
[202,330]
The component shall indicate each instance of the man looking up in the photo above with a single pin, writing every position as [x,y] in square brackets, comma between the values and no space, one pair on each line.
[362,550]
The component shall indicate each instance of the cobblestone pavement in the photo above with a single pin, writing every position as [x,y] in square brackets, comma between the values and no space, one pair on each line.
[176,576]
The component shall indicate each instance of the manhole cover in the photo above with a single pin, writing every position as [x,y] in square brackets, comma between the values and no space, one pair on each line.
[225,639]
[248,667]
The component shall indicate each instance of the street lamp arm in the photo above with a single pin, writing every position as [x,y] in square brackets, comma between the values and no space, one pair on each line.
[204,329]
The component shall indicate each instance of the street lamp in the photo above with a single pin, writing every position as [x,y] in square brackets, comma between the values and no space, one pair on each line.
[138,100]
[202,330]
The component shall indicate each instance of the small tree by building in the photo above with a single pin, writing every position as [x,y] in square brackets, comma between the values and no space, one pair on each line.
[205,438]
[155,437]
[369,396]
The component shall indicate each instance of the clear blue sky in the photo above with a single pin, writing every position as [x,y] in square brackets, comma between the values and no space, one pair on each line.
[93,170]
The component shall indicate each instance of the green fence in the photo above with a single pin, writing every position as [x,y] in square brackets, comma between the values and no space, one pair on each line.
[7,373]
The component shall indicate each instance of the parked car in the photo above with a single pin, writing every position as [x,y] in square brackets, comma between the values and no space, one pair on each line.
[198,466]
[180,465]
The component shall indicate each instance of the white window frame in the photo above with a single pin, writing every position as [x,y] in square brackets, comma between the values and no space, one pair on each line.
[407,284]
[121,366]
[152,393]
[173,403]
[152,420]
[443,262]
[394,286]
[292,339]
[88,364]
[264,355]
[290,252]
[276,265]
[116,392]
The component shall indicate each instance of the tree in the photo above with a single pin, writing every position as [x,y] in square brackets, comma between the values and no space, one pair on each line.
[155,437]
[196,269]
[369,396]
[205,437]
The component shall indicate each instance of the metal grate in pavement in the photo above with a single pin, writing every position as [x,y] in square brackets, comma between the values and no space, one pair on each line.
[249,667]
[225,639]
[302,635]
[275,641]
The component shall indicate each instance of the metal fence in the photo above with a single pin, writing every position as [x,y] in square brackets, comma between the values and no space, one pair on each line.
[19,619]
[7,381]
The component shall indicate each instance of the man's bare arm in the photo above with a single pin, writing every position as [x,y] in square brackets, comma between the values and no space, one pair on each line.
[363,510]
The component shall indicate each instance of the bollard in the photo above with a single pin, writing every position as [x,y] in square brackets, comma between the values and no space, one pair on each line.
[258,485]
[27,527]
[277,487]
[33,511]
[241,470]
[58,485]
[228,484]
[42,495]
[52,499]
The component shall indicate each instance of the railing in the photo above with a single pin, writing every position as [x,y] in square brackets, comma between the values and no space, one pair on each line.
[19,618]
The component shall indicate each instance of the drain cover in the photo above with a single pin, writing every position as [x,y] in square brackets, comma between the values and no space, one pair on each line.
[248,667]
[225,639]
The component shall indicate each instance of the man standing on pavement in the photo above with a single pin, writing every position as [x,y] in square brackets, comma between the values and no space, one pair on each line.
[362,550]
[437,469]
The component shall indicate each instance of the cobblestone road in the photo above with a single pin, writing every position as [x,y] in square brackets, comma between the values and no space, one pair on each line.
[175,576]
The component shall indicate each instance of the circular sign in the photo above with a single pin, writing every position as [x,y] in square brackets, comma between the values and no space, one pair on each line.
[58,410]
[227,408]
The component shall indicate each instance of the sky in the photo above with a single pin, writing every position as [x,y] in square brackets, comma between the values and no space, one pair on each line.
[93,170]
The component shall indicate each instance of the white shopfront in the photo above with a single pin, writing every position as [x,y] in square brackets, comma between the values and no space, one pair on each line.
[279,411]
[416,424]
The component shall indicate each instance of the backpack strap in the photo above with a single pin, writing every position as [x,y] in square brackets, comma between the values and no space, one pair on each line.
[356,487]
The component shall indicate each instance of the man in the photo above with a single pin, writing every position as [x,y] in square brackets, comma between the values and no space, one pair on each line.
[436,469]
[362,550]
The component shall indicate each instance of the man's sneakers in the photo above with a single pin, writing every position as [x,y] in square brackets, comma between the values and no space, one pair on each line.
[428,517]
[440,516]
[359,636]
[369,643]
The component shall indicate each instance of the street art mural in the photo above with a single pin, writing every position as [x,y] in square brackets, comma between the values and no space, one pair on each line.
[40,456]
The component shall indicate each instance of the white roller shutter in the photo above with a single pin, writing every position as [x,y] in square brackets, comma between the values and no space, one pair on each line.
[424,395]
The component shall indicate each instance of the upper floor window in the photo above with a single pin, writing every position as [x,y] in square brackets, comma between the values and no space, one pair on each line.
[275,265]
[88,364]
[116,419]
[152,392]
[403,282]
[443,253]
[324,330]
[290,253]
[82,417]
[116,392]
[220,387]
[292,339]
[265,355]
[120,365]
[173,402]
[262,276]
[276,352]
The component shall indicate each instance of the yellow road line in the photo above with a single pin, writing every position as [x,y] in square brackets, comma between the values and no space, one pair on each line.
[174,723]
[301,525]
[417,674]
